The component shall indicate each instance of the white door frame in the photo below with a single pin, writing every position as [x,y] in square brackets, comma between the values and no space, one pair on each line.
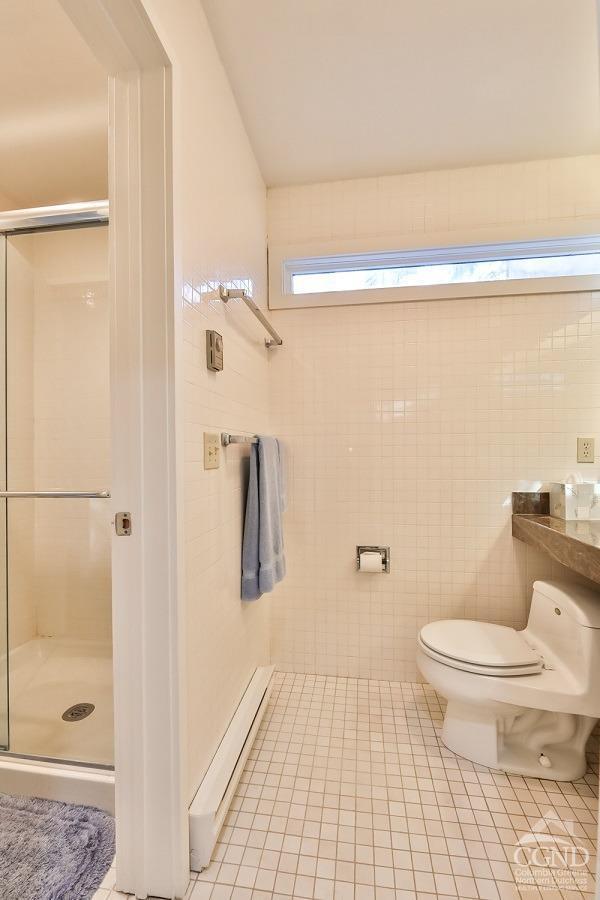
[151,807]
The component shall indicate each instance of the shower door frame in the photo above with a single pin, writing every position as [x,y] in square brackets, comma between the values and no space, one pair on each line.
[145,284]
[13,224]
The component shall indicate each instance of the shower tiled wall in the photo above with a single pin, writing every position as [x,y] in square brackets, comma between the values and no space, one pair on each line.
[71,364]
[410,424]
[58,427]
[22,620]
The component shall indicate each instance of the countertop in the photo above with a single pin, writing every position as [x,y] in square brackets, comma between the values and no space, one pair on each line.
[574,544]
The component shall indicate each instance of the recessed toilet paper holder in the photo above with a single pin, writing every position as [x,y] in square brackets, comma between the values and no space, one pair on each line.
[385,556]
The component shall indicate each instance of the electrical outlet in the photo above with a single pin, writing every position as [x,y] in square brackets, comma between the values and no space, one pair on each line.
[585,450]
[212,451]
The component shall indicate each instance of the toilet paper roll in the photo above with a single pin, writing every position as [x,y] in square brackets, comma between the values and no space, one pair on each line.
[370,561]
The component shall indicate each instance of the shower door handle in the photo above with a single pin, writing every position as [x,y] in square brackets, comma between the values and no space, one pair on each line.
[57,495]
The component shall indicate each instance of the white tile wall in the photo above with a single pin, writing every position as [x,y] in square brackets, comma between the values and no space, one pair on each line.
[220,218]
[226,638]
[410,424]
[541,192]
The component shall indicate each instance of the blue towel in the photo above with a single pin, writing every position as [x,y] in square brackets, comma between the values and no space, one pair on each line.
[263,560]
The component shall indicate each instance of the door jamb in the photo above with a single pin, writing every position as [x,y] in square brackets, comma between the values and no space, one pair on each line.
[151,805]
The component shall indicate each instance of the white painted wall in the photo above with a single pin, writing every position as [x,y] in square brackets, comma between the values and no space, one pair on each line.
[220,217]
[7,202]
[410,424]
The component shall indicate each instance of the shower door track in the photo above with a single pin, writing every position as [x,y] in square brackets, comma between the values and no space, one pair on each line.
[54,218]
[59,761]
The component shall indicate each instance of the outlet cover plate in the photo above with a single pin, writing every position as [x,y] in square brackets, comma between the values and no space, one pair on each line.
[212,450]
[585,450]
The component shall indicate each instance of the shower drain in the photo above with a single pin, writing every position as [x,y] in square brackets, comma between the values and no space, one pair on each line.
[78,712]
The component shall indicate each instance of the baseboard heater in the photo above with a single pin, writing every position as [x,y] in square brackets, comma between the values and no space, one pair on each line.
[213,798]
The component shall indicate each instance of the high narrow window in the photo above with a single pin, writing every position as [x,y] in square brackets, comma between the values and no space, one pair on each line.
[446,266]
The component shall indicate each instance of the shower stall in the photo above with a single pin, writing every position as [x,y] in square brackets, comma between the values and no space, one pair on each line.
[55,518]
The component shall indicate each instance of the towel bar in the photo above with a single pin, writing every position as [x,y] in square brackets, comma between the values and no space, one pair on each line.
[227,438]
[230,294]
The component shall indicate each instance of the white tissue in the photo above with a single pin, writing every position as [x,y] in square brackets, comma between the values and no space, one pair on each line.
[370,561]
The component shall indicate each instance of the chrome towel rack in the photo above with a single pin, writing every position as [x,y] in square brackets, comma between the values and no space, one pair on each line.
[227,294]
[57,495]
[227,439]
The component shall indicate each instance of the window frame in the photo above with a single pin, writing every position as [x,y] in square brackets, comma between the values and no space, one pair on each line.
[288,260]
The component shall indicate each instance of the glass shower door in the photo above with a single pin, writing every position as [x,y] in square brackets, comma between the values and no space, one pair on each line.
[55,500]
[4,732]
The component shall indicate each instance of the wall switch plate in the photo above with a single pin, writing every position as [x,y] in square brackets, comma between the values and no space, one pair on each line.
[585,450]
[212,450]
[214,351]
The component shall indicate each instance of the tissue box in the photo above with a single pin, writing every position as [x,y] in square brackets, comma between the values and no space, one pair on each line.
[575,501]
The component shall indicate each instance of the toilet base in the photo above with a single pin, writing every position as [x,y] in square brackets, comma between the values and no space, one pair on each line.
[519,740]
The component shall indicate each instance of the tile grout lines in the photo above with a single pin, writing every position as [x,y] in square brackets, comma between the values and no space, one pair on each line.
[348,794]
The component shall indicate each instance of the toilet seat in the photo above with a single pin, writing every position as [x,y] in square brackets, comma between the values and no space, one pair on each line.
[479,647]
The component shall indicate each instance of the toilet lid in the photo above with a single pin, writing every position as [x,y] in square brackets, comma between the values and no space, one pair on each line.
[480,644]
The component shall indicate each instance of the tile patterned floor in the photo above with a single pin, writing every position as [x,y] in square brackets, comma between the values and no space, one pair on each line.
[349,794]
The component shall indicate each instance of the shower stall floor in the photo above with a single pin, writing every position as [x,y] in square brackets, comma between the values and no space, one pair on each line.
[49,675]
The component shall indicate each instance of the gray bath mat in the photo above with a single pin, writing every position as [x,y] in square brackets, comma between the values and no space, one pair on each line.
[51,850]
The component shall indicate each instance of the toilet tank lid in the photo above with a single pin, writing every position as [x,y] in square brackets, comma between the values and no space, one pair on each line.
[575,600]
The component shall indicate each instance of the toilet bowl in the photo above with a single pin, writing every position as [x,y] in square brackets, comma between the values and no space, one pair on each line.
[524,701]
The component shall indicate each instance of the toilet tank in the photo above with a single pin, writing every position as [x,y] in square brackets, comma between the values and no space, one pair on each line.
[564,624]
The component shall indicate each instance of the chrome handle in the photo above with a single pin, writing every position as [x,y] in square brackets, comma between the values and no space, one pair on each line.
[102,495]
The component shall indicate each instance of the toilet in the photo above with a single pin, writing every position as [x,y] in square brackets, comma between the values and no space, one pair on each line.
[524,701]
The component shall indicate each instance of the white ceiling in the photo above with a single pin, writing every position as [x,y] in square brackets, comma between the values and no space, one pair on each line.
[53,109]
[346,88]
[328,89]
